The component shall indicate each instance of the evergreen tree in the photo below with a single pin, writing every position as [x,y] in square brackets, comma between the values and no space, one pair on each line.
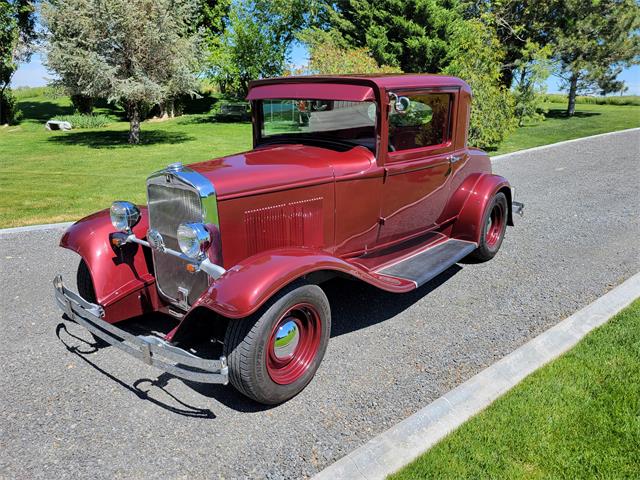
[411,34]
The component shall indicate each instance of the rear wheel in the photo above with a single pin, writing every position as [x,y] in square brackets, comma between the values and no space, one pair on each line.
[87,291]
[494,225]
[274,353]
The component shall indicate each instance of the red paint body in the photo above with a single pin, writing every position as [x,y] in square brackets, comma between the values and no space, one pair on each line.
[287,211]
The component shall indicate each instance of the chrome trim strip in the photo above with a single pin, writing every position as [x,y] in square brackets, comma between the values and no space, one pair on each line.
[145,348]
[211,269]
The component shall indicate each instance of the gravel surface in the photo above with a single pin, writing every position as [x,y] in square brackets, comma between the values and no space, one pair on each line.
[104,415]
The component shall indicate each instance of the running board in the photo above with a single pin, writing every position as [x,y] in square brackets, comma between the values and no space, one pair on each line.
[428,264]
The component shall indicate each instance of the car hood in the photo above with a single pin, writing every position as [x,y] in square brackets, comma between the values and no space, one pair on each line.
[280,166]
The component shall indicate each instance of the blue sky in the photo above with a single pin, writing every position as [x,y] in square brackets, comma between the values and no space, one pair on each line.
[33,74]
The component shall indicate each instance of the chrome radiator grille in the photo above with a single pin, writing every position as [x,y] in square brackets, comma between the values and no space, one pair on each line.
[171,204]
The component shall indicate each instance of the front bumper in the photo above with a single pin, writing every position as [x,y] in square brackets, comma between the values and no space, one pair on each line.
[151,350]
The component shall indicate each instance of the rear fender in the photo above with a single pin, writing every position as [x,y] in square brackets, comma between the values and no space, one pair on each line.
[122,277]
[468,225]
[248,285]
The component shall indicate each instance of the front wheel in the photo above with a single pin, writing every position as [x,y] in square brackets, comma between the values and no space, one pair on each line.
[494,225]
[274,353]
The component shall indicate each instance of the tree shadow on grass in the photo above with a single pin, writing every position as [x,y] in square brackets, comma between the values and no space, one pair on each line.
[210,119]
[112,139]
[42,111]
[561,114]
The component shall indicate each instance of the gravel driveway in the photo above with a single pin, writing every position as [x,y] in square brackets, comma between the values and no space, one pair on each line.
[104,415]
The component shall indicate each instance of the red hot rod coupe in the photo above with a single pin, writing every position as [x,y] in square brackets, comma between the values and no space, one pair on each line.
[368,177]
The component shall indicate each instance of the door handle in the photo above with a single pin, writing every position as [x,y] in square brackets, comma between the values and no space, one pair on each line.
[454,158]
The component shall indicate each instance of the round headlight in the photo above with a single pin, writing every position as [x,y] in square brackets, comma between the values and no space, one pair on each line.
[194,239]
[124,216]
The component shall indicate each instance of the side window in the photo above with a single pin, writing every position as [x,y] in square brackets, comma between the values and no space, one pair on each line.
[424,123]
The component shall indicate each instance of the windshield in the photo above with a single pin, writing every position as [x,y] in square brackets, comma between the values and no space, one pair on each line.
[337,122]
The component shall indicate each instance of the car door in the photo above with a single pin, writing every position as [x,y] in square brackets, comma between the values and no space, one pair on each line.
[417,166]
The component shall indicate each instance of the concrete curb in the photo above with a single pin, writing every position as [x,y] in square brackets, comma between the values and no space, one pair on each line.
[402,443]
[35,228]
[564,142]
[51,226]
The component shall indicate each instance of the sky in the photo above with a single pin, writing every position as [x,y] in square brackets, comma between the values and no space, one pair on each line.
[33,74]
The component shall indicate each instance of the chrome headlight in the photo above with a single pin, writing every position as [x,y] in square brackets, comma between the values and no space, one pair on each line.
[194,239]
[124,216]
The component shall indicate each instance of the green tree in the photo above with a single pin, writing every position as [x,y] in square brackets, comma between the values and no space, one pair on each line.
[409,34]
[135,52]
[329,54]
[256,41]
[475,55]
[519,25]
[532,70]
[17,39]
[595,39]
[212,16]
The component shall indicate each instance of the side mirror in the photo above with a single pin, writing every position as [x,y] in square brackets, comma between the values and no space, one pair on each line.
[400,104]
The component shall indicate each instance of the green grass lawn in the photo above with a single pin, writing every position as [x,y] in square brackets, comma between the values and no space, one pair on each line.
[588,120]
[578,417]
[59,176]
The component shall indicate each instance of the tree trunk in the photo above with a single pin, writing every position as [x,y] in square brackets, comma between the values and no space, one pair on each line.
[82,103]
[134,123]
[523,88]
[167,109]
[573,88]
[507,77]
[2,122]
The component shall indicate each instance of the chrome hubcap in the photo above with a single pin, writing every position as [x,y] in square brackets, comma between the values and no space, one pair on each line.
[286,340]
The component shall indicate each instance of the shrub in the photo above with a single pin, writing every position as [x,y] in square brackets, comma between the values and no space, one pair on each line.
[84,121]
[9,113]
[475,56]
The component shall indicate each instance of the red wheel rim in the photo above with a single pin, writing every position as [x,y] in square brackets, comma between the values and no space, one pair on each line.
[495,225]
[293,343]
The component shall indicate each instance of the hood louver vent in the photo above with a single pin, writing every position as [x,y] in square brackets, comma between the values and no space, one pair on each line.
[291,224]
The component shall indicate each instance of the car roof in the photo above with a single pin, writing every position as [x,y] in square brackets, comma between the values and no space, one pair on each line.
[382,81]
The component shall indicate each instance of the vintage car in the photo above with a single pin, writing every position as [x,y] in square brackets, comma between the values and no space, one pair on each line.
[364,177]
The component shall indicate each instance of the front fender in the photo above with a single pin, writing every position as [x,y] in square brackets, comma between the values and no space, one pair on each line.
[122,277]
[468,225]
[248,285]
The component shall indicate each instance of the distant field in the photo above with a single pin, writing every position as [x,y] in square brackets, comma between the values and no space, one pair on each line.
[610,100]
[59,176]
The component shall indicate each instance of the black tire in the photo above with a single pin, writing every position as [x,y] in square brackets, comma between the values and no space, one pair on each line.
[248,341]
[488,247]
[87,291]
